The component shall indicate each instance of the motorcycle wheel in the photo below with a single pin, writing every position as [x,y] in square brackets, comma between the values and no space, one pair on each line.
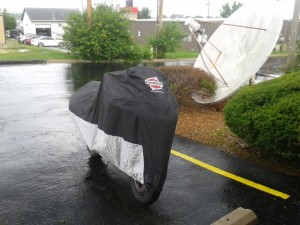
[93,153]
[145,195]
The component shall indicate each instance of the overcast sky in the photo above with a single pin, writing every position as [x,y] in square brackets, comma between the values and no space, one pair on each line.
[185,7]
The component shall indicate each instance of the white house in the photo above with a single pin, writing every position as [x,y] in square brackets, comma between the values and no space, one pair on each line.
[45,21]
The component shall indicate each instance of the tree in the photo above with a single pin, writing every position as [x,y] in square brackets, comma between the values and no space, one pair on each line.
[170,39]
[227,10]
[105,38]
[144,13]
[9,21]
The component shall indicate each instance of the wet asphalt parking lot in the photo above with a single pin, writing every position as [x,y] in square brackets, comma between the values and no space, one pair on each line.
[47,177]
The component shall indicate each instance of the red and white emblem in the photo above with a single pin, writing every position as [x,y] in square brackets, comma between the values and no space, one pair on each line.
[154,83]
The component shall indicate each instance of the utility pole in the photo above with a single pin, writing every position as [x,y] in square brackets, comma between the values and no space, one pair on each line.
[160,4]
[159,20]
[89,11]
[208,4]
[294,33]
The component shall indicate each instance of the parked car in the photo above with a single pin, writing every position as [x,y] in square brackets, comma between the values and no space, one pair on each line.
[46,41]
[28,41]
[14,33]
[26,36]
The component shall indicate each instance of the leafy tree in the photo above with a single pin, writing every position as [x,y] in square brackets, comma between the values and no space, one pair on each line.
[170,39]
[106,38]
[9,21]
[236,6]
[144,13]
[227,10]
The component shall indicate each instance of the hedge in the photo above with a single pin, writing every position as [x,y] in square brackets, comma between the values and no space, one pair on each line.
[267,115]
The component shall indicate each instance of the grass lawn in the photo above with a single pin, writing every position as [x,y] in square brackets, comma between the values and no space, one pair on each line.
[20,51]
[279,53]
[182,55]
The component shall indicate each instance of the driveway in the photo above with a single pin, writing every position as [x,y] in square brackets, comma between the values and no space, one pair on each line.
[47,176]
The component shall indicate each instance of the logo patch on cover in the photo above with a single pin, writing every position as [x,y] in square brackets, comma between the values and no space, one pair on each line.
[154,83]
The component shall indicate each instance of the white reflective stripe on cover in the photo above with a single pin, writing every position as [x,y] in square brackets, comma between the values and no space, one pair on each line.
[127,156]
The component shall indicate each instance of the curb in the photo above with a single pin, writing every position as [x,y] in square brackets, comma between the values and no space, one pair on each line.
[239,216]
[8,62]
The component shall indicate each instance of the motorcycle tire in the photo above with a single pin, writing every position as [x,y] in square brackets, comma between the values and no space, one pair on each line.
[142,193]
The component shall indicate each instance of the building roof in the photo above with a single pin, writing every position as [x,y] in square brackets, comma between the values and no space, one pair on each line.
[48,14]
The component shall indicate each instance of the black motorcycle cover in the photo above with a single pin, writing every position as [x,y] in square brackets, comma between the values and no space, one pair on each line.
[130,119]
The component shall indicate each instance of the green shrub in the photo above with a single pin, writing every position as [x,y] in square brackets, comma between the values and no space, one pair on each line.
[170,39]
[208,85]
[267,115]
[105,38]
[186,80]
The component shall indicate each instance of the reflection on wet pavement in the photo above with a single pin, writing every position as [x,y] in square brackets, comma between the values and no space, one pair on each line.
[47,176]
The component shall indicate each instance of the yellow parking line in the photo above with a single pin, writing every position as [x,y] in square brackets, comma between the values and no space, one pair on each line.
[230,175]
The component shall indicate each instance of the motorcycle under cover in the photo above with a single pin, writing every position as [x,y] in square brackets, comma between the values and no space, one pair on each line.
[130,119]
